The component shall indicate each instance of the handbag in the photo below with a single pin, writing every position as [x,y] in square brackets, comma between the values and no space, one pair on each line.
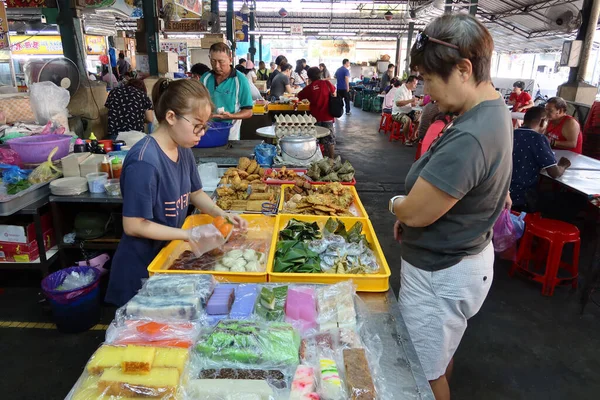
[336,105]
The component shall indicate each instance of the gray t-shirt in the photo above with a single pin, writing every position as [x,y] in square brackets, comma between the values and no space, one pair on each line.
[472,162]
[278,84]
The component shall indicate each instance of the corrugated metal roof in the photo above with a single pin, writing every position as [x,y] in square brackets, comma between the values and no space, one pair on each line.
[516,25]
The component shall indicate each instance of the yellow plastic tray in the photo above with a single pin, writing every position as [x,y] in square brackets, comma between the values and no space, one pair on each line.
[303,107]
[161,262]
[378,282]
[281,107]
[362,213]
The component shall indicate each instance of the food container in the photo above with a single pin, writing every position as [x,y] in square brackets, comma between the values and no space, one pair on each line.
[216,136]
[108,145]
[378,282]
[163,260]
[275,181]
[36,149]
[298,147]
[113,187]
[356,207]
[96,181]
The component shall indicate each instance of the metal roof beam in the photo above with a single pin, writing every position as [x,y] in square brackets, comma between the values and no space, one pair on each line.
[525,9]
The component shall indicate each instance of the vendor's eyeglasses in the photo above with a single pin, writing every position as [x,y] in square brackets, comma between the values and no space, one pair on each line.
[197,127]
[422,40]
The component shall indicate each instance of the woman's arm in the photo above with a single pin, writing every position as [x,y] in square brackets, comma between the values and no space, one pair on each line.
[143,228]
[204,203]
[149,116]
[424,205]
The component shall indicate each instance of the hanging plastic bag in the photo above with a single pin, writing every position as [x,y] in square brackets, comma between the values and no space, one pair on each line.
[504,232]
[46,171]
[49,102]
[265,153]
[519,224]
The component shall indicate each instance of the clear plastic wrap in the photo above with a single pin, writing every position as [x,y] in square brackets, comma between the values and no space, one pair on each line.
[245,251]
[179,285]
[121,372]
[229,389]
[205,238]
[358,375]
[270,303]
[301,309]
[304,384]
[339,256]
[336,306]
[153,333]
[234,343]
[161,308]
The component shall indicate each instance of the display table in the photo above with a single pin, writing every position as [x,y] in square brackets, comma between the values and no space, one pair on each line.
[578,161]
[228,155]
[586,182]
[269,132]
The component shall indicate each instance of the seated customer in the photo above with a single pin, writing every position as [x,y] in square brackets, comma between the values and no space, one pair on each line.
[403,104]
[563,130]
[388,101]
[532,154]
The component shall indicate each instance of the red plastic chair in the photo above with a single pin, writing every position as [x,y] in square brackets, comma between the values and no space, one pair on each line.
[385,123]
[553,236]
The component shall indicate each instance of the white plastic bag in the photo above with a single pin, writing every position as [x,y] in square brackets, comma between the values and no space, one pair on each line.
[49,102]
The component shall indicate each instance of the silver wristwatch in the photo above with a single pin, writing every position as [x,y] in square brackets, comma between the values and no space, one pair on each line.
[392,200]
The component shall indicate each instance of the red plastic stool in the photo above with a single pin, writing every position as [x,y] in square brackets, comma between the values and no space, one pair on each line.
[385,123]
[396,133]
[554,235]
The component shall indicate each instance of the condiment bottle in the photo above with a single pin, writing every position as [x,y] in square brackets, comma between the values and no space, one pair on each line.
[117,166]
[80,146]
[105,167]
[101,149]
[93,142]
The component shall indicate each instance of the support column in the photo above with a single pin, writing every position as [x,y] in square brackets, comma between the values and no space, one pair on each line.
[229,21]
[151,34]
[71,35]
[252,49]
[214,8]
[575,89]
[473,7]
[260,58]
[398,52]
[411,28]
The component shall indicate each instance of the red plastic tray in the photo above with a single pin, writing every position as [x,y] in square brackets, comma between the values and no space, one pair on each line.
[270,181]
[281,182]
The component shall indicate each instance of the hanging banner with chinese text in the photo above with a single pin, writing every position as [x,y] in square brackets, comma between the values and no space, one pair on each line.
[33,45]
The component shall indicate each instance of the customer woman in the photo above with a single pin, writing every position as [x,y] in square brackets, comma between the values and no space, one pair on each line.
[263,73]
[318,92]
[159,182]
[299,76]
[128,108]
[324,71]
[455,193]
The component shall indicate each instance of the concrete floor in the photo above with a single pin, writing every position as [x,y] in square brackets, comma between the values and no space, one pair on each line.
[520,346]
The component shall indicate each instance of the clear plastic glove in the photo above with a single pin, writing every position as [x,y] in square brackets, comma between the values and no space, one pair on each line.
[205,238]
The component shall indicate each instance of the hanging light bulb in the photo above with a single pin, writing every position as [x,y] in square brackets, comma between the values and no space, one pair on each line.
[388,16]
[283,13]
[245,9]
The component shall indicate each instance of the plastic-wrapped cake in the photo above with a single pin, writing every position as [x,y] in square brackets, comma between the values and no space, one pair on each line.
[286,125]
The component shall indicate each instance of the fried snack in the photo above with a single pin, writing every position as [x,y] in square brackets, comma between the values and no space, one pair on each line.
[252,167]
[225,191]
[238,205]
[259,187]
[254,205]
[261,196]
[243,174]
[225,204]
[261,172]
[253,177]
[244,163]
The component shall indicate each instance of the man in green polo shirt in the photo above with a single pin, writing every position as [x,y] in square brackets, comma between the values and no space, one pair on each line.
[228,88]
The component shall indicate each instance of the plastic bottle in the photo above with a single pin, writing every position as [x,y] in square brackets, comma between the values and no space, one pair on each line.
[105,167]
[93,142]
[100,149]
[117,166]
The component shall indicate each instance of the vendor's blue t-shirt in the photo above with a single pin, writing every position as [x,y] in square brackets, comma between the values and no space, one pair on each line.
[341,75]
[155,188]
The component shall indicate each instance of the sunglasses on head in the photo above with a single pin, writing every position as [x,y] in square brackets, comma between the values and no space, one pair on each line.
[422,39]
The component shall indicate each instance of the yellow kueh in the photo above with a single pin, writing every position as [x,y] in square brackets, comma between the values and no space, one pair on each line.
[105,357]
[170,357]
[138,359]
[159,382]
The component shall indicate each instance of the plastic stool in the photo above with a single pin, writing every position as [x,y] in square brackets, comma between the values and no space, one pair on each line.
[396,133]
[554,234]
[385,123]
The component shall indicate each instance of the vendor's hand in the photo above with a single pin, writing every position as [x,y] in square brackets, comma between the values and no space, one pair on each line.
[216,116]
[398,231]
[204,238]
[238,221]
[414,101]
[564,162]
[508,201]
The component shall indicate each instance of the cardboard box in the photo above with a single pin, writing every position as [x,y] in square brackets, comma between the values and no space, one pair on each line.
[91,164]
[70,164]
[23,233]
[211,38]
[18,252]
[167,62]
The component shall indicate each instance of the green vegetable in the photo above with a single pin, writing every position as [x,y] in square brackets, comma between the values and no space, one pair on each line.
[298,230]
[14,188]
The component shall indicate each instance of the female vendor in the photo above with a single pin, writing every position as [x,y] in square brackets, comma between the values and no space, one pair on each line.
[159,181]
[456,191]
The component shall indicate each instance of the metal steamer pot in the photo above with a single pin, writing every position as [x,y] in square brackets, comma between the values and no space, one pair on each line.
[298,147]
